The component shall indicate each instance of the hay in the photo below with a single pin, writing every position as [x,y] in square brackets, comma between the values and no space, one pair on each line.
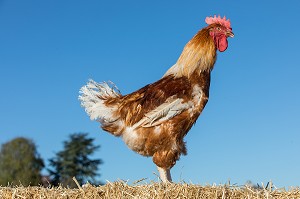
[153,190]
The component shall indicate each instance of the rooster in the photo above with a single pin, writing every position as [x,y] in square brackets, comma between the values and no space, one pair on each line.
[154,120]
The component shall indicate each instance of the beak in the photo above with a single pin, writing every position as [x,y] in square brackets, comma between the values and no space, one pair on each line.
[229,34]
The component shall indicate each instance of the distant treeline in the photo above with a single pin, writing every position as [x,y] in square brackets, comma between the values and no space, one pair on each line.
[21,164]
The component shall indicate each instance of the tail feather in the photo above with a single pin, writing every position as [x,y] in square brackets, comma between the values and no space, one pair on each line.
[93,97]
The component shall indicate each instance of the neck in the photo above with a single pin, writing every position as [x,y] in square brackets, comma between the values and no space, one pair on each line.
[198,55]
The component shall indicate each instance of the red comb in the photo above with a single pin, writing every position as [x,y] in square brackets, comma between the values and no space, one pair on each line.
[215,19]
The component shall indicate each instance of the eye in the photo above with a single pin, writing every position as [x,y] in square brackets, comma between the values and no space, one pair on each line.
[218,28]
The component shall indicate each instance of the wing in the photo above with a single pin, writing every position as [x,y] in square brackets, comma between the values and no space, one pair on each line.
[172,107]
[156,103]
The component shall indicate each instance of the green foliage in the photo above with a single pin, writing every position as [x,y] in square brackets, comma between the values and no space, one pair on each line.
[20,163]
[74,160]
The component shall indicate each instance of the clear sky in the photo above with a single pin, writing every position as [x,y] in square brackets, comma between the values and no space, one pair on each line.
[250,128]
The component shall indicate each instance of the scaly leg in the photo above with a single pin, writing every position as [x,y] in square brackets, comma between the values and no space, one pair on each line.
[165,174]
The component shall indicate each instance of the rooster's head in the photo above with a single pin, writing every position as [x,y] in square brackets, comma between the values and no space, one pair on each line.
[219,29]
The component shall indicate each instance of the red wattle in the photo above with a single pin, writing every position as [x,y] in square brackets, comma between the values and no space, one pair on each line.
[222,43]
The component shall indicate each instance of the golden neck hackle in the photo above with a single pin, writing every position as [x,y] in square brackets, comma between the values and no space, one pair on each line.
[198,55]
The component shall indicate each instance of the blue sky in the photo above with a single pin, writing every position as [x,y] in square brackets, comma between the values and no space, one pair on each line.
[249,129]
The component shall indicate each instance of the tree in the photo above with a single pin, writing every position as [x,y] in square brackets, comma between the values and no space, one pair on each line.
[74,160]
[20,163]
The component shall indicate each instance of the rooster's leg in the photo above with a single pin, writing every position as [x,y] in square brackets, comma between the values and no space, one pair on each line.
[165,174]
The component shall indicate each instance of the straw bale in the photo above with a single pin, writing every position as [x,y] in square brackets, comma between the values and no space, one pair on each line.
[122,190]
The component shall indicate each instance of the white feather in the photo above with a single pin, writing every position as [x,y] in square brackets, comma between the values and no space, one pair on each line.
[93,96]
[165,111]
